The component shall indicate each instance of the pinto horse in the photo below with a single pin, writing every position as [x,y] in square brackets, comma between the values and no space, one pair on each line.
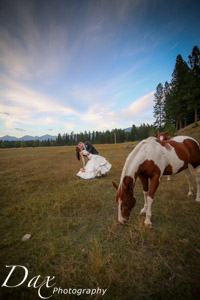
[163,136]
[151,159]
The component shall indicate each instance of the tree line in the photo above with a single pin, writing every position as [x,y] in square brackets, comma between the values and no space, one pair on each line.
[95,137]
[177,103]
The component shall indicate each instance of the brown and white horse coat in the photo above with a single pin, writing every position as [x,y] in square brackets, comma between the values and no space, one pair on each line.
[151,159]
[164,136]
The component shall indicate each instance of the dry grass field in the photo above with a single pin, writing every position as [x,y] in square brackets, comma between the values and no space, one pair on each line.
[191,130]
[75,235]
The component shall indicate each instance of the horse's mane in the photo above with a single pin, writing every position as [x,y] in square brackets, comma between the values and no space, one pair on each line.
[133,154]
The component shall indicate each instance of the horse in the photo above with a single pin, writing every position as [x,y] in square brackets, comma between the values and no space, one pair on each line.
[151,159]
[163,135]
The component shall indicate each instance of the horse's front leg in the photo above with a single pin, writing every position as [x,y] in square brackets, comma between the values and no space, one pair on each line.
[198,183]
[144,181]
[153,187]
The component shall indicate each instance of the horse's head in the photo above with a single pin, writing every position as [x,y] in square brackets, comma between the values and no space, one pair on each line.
[163,135]
[125,199]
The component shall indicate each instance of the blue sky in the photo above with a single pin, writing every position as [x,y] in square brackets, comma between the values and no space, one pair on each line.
[79,65]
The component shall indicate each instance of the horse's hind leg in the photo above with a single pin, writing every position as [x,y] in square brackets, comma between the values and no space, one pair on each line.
[144,181]
[190,182]
[198,183]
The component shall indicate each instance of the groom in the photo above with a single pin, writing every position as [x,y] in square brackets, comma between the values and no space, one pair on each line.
[88,147]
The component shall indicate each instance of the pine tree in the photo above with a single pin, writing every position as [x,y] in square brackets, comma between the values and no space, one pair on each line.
[166,92]
[133,136]
[86,137]
[93,137]
[97,138]
[59,140]
[194,96]
[177,98]
[89,136]
[159,106]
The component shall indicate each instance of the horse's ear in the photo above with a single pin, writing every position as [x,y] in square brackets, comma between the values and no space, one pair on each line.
[115,185]
[166,132]
[158,132]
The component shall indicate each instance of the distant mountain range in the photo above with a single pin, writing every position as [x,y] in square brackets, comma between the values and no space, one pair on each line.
[28,138]
[128,129]
[40,138]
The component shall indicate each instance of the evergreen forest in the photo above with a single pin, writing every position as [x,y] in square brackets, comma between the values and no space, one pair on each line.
[177,103]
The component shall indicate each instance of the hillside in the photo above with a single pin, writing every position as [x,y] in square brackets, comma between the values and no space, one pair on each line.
[190,130]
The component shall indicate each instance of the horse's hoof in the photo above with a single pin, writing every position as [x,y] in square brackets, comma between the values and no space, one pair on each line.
[148,225]
[198,200]
[190,194]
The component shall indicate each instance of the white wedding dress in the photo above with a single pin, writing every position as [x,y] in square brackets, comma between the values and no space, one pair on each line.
[96,166]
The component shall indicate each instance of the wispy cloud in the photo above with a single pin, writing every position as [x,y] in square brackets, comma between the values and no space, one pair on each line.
[136,111]
[5,113]
[17,94]
[26,50]
[142,104]
[24,105]
[20,129]
[106,117]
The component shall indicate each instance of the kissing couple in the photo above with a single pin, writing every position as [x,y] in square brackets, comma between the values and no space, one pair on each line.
[96,166]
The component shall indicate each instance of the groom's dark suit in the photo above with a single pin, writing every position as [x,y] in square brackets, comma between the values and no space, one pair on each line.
[90,148]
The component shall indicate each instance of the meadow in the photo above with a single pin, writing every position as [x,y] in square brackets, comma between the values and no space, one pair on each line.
[75,235]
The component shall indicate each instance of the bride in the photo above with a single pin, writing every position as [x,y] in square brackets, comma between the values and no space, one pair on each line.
[96,166]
